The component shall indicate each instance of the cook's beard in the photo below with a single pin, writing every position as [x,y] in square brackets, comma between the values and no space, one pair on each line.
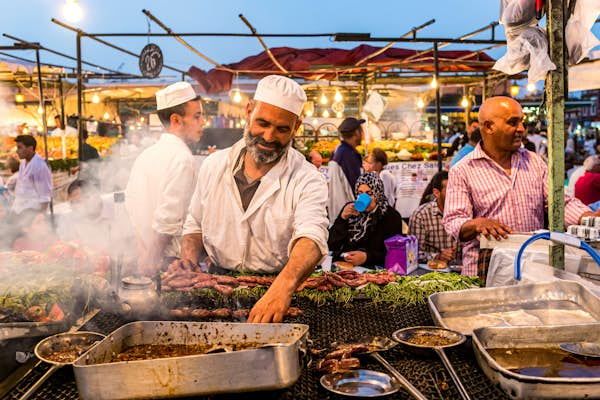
[263,156]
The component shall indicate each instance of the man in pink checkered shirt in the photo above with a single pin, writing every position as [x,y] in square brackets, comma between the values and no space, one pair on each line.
[500,187]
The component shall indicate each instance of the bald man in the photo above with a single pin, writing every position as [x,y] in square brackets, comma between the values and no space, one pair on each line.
[500,187]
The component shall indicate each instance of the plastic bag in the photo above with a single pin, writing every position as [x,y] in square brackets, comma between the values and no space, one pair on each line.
[528,51]
[579,37]
[516,15]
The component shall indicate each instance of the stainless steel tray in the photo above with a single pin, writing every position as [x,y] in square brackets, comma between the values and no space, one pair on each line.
[14,330]
[537,304]
[520,386]
[266,368]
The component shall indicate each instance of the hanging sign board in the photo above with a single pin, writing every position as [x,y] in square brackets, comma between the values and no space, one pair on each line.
[151,61]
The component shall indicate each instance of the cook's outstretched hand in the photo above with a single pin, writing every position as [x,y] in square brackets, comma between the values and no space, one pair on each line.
[271,307]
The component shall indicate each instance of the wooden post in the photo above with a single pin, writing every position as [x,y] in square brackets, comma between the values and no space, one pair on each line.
[555,96]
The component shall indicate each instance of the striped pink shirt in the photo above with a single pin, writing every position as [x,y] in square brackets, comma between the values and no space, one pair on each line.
[479,187]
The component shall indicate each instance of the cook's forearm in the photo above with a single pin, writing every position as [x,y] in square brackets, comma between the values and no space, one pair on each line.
[192,247]
[305,255]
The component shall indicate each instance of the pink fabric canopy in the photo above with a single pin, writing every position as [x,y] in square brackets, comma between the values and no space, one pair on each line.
[315,64]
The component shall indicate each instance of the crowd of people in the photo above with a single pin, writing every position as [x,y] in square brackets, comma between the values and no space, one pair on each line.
[261,206]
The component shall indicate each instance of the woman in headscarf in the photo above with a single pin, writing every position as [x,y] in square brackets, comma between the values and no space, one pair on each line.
[357,237]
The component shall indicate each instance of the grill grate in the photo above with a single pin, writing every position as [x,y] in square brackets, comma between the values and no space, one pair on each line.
[328,323]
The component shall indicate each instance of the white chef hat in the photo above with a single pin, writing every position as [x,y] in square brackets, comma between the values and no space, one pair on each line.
[174,95]
[281,92]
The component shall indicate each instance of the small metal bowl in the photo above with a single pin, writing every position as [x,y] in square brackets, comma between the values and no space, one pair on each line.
[360,383]
[65,348]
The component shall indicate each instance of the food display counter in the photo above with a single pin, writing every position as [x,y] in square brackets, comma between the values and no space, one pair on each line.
[330,322]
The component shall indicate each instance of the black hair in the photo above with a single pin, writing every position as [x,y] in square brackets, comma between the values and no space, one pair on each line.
[438,179]
[78,183]
[435,183]
[27,140]
[380,156]
[350,134]
[13,164]
[475,135]
[165,114]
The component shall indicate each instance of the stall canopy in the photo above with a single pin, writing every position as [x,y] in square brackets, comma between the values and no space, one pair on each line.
[328,64]
[584,76]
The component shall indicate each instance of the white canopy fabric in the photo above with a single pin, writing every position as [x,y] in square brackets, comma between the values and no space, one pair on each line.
[585,76]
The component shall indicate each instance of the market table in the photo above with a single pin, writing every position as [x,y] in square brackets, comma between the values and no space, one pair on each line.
[328,323]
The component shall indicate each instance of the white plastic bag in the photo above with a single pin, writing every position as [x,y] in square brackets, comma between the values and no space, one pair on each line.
[516,15]
[527,51]
[579,37]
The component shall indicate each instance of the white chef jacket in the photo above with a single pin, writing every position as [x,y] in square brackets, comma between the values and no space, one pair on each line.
[289,204]
[34,185]
[158,192]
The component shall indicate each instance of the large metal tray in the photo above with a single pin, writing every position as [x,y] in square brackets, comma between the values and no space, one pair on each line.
[520,386]
[266,368]
[536,304]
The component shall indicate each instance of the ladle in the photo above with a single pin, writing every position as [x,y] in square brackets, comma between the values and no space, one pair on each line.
[78,324]
[378,343]
[453,338]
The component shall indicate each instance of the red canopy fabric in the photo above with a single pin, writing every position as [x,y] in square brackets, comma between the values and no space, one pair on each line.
[315,64]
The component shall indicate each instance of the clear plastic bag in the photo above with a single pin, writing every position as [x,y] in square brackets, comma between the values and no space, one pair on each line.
[579,37]
[527,51]
[516,15]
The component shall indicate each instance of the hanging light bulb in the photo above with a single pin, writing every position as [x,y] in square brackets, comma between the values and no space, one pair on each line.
[39,129]
[464,103]
[325,114]
[96,99]
[25,131]
[131,127]
[337,96]
[106,115]
[434,83]
[243,122]
[420,103]
[315,121]
[514,89]
[72,11]
[339,114]
[309,113]
[142,119]
[19,98]
[323,99]
[237,96]
[40,110]
[531,87]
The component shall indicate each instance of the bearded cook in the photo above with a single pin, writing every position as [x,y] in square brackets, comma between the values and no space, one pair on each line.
[259,206]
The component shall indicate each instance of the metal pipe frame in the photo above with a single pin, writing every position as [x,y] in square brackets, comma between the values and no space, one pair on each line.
[62,54]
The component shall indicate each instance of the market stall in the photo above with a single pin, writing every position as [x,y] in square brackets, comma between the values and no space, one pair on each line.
[327,323]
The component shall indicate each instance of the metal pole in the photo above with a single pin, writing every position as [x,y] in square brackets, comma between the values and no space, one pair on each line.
[438,113]
[555,95]
[62,101]
[41,102]
[485,88]
[44,124]
[79,102]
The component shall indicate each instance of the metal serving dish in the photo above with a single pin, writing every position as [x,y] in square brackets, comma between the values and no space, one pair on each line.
[275,366]
[537,304]
[520,386]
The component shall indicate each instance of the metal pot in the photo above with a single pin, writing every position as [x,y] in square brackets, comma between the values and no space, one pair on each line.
[138,297]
